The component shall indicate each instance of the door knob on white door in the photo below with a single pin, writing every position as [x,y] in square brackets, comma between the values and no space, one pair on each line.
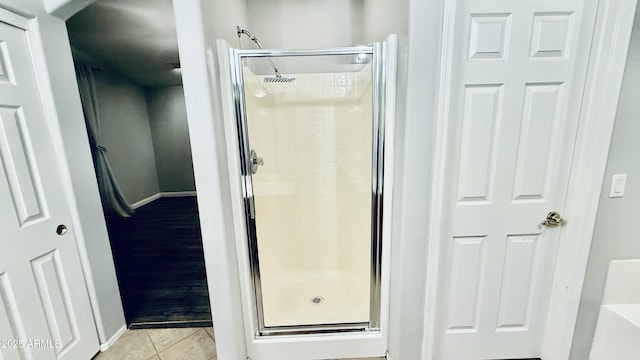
[61,229]
[553,219]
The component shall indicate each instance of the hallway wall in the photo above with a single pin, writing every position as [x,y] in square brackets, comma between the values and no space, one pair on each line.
[170,133]
[146,135]
[125,131]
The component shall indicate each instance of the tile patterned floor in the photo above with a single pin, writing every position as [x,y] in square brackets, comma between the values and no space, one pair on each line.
[163,344]
[167,344]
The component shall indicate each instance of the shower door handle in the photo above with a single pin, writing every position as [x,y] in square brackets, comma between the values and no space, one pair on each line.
[255,161]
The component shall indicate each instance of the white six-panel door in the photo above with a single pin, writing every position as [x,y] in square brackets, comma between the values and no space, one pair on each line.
[43,298]
[516,86]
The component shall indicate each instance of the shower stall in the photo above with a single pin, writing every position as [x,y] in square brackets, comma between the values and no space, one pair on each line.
[310,142]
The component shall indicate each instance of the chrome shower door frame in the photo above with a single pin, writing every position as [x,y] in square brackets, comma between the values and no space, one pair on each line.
[379,83]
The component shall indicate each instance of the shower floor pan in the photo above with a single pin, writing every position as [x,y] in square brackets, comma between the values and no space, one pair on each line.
[314,298]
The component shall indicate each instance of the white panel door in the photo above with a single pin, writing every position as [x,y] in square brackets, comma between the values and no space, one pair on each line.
[43,298]
[517,81]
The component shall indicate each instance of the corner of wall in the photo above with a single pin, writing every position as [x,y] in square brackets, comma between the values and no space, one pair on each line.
[202,92]
[64,9]
[421,72]
[125,131]
[616,227]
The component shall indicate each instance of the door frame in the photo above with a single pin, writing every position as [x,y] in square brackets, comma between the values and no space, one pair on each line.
[605,70]
[377,51]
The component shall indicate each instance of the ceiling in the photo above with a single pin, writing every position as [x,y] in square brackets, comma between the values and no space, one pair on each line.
[135,38]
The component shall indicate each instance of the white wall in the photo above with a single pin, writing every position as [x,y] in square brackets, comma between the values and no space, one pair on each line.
[418,81]
[199,23]
[294,24]
[62,105]
[125,132]
[64,9]
[617,230]
[291,24]
[172,148]
[382,17]
[24,7]
[61,9]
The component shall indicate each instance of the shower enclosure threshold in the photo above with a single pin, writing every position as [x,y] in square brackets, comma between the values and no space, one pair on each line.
[170,324]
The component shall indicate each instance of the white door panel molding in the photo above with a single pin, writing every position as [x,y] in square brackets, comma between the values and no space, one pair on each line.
[511,100]
[43,294]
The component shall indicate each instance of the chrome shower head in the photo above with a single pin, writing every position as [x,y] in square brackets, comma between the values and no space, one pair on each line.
[273,79]
[278,79]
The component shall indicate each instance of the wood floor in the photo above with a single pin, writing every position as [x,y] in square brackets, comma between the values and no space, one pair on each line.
[160,265]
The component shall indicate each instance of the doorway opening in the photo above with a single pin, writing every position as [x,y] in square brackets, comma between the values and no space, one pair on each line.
[130,54]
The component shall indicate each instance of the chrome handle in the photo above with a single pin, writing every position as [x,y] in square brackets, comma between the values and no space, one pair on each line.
[255,161]
[61,229]
[553,219]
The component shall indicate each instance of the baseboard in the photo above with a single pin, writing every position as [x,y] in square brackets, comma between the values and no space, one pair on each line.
[177,193]
[157,196]
[145,201]
[387,356]
[104,347]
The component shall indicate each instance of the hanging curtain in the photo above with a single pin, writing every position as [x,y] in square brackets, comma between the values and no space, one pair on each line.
[113,201]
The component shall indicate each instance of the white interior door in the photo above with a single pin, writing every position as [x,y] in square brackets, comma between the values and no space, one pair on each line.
[517,81]
[43,298]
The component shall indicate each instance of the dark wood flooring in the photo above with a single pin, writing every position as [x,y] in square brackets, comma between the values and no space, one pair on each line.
[160,265]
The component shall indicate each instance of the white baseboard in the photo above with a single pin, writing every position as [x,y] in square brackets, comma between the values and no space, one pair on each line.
[177,193]
[104,347]
[157,196]
[387,356]
[145,201]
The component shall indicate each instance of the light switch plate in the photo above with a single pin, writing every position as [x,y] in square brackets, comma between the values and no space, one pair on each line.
[618,183]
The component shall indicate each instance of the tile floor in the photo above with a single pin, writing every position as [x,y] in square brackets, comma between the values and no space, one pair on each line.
[167,344]
[163,344]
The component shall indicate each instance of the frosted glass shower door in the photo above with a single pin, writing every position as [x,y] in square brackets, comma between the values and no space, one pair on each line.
[309,138]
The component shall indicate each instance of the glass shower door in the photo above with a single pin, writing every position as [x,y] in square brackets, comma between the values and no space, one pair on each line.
[310,150]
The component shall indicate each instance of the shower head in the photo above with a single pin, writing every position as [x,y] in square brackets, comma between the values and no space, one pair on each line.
[278,79]
[273,79]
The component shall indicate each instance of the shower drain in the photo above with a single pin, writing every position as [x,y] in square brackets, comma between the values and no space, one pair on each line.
[317,299]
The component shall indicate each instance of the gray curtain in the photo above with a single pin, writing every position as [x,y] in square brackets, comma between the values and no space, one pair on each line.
[113,201]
